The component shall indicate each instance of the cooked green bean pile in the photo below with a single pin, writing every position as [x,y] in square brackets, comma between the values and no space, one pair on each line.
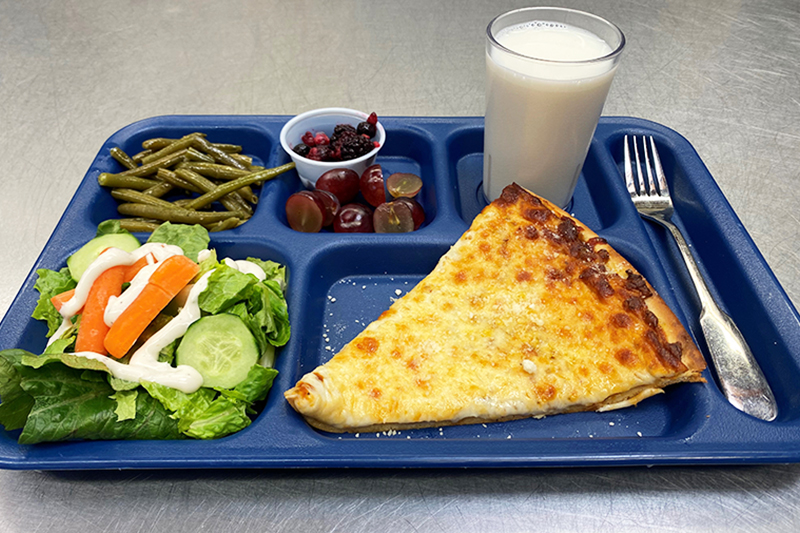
[195,174]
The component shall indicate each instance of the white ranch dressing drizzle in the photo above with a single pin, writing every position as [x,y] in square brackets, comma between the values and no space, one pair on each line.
[183,378]
[247,267]
[144,364]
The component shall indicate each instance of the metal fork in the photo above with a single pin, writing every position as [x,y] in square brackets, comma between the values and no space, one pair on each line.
[741,378]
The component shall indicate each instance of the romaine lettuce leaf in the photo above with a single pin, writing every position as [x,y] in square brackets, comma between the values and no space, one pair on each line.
[191,239]
[223,417]
[180,403]
[49,283]
[121,384]
[16,403]
[226,286]
[68,359]
[126,404]
[274,271]
[204,414]
[209,263]
[77,404]
[280,314]
[60,345]
[256,385]
[110,226]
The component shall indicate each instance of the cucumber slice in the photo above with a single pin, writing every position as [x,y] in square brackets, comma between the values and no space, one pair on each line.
[221,348]
[80,260]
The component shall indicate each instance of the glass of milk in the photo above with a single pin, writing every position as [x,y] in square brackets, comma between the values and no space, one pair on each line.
[548,72]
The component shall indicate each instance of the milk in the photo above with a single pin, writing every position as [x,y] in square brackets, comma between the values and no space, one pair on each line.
[541,113]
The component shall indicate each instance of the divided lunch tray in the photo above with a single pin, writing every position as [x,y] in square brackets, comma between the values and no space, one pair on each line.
[339,283]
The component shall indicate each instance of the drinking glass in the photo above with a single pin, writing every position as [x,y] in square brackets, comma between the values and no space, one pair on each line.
[548,72]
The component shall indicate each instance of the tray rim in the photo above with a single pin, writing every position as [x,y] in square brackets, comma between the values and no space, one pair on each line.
[476,460]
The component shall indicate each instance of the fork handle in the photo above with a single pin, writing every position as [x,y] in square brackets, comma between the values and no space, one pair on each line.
[743,383]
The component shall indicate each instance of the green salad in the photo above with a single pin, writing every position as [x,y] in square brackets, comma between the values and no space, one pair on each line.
[200,367]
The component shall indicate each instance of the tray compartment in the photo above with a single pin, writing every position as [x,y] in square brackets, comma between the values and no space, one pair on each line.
[406,150]
[255,141]
[350,285]
[595,201]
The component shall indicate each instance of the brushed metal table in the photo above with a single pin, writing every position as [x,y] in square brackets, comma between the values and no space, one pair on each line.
[723,74]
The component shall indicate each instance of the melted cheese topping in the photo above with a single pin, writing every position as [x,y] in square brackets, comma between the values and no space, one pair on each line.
[520,318]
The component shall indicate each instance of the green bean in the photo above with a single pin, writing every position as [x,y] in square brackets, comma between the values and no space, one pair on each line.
[152,167]
[176,146]
[219,156]
[160,142]
[170,177]
[137,158]
[183,202]
[177,214]
[194,155]
[238,183]
[214,170]
[246,160]
[130,195]
[139,224]
[159,190]
[121,157]
[231,202]
[157,143]
[228,223]
[228,148]
[248,195]
[128,182]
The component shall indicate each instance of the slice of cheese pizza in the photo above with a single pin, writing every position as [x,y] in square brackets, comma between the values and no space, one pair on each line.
[530,313]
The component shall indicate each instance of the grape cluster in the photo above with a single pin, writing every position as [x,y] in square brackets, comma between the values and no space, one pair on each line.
[333,202]
[345,143]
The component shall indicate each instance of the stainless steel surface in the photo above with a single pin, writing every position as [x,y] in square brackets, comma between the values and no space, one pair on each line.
[743,383]
[722,73]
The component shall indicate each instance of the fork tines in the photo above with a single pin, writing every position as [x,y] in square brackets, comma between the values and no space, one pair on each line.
[653,187]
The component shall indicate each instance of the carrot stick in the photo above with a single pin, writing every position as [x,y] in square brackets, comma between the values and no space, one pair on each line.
[135,268]
[168,279]
[60,299]
[93,327]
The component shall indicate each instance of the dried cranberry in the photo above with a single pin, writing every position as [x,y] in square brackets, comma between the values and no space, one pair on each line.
[308,139]
[313,154]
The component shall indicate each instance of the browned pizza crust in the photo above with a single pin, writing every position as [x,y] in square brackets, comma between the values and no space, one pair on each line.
[530,313]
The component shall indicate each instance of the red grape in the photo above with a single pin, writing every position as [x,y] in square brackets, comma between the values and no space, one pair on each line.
[342,182]
[353,218]
[305,212]
[402,184]
[372,185]
[331,204]
[393,217]
[417,213]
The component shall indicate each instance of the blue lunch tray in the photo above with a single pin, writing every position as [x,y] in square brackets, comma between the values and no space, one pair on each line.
[339,283]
